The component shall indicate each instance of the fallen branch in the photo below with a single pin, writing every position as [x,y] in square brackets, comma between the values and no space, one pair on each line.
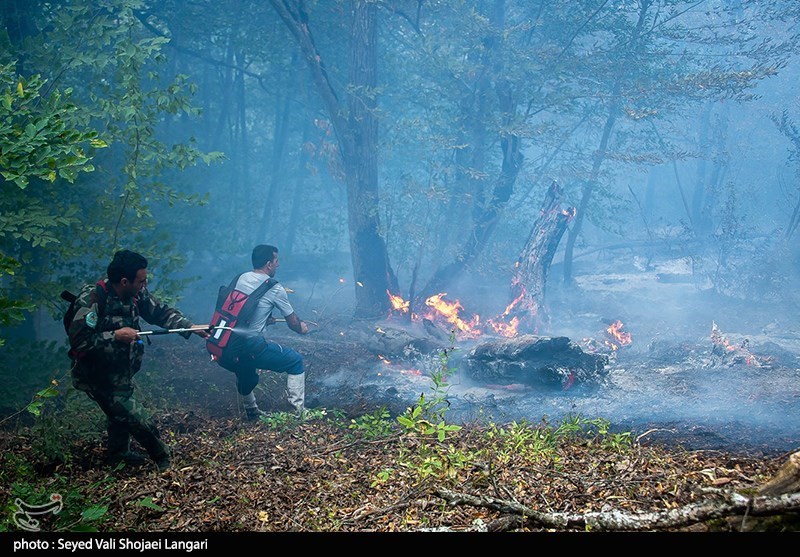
[733,504]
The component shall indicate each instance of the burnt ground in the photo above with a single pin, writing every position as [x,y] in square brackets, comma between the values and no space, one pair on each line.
[326,475]
[671,423]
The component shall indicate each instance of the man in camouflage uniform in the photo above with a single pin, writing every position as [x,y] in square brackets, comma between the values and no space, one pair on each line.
[107,352]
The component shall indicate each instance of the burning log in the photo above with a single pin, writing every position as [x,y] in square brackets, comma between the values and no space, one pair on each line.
[530,278]
[534,360]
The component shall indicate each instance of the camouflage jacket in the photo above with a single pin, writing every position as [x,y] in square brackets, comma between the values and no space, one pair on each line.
[100,361]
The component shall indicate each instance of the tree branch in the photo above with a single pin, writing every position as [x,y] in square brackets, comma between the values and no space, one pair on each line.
[731,505]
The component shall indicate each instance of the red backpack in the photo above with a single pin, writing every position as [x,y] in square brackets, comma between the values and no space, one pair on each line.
[233,308]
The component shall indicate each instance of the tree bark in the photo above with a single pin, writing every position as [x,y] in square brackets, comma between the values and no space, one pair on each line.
[528,285]
[356,132]
[614,521]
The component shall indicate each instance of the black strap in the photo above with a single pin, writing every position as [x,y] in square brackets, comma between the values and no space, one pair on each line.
[252,300]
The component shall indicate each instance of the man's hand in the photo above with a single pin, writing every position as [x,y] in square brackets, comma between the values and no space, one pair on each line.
[296,324]
[202,333]
[125,335]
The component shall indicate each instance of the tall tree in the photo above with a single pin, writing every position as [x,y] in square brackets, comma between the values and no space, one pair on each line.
[490,79]
[356,128]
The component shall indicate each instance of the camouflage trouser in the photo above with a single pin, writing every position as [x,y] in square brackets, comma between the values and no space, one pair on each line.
[127,417]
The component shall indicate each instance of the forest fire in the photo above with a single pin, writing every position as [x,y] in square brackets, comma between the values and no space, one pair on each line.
[617,337]
[451,313]
[503,325]
[398,303]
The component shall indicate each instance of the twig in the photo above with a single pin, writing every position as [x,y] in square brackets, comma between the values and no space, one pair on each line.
[649,431]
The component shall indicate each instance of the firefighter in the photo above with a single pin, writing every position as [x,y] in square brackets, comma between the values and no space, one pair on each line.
[249,351]
[107,352]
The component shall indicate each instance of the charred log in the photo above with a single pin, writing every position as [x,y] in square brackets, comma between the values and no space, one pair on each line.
[389,341]
[533,360]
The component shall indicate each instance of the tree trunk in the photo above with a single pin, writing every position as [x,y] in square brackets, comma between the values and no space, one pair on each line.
[356,131]
[700,181]
[484,223]
[718,170]
[279,140]
[525,311]
[297,198]
[614,111]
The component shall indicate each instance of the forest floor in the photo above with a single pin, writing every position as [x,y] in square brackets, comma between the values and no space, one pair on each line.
[351,467]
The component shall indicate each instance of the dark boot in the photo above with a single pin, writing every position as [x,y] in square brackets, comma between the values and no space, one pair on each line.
[163,461]
[254,413]
[158,451]
[119,441]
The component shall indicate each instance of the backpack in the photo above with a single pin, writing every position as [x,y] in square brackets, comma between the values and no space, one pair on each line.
[233,308]
[101,293]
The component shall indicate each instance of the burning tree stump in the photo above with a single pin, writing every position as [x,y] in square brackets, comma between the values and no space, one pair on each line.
[534,360]
[533,264]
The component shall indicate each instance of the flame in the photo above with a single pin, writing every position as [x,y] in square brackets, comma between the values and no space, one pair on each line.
[449,311]
[509,329]
[398,303]
[618,337]
[452,313]
[504,326]
[510,307]
[742,350]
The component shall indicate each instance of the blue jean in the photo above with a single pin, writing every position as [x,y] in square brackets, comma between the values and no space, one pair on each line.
[258,353]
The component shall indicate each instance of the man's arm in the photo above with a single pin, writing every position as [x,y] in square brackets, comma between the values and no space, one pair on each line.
[157,313]
[296,324]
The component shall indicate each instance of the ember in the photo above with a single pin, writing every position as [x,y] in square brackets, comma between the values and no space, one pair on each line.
[729,352]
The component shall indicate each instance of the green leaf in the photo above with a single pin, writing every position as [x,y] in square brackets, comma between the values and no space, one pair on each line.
[147,502]
[48,392]
[93,513]
[35,407]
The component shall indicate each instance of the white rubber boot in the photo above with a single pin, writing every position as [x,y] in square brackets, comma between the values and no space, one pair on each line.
[296,392]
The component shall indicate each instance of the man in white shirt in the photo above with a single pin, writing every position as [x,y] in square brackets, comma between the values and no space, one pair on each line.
[251,351]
